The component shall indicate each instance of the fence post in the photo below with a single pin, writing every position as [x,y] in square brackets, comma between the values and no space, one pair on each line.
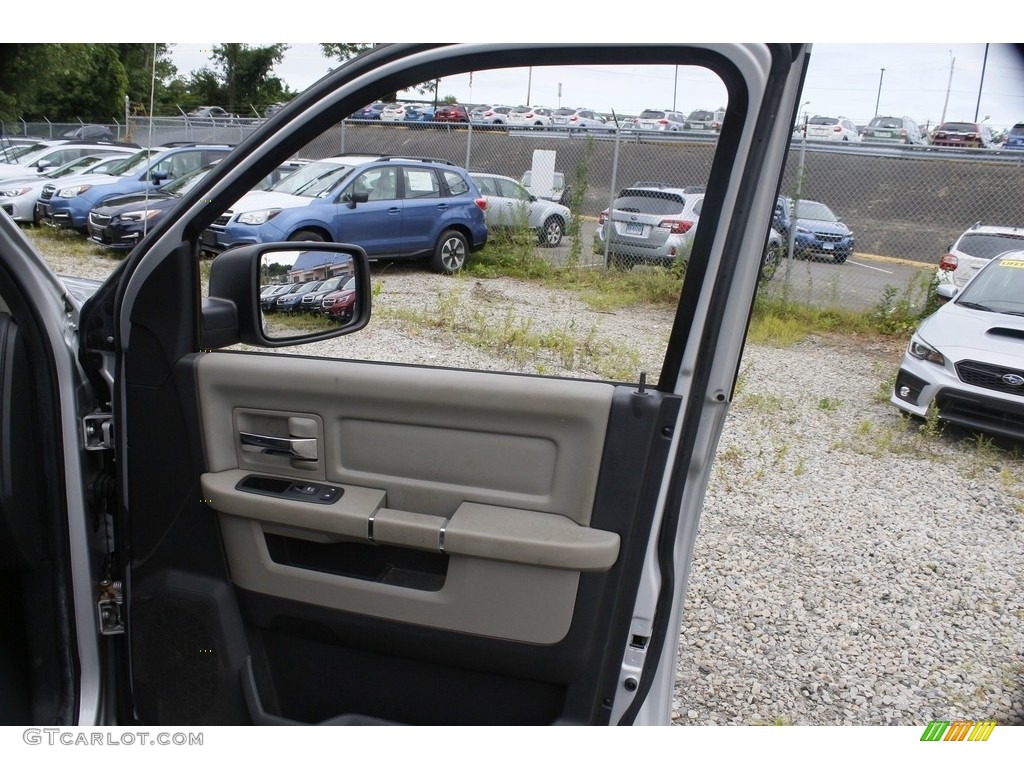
[796,200]
[469,143]
[342,148]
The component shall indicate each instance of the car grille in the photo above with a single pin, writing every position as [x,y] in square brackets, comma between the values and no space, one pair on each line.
[223,219]
[827,238]
[989,376]
[983,414]
[99,219]
[48,191]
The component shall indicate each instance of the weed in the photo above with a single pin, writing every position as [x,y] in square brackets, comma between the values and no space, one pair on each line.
[800,468]
[898,313]
[829,403]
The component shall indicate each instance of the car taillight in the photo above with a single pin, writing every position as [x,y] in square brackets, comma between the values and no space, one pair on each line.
[903,134]
[481,203]
[663,122]
[837,128]
[574,118]
[676,226]
[948,263]
[603,217]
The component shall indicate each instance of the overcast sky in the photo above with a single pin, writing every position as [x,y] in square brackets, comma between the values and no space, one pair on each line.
[843,79]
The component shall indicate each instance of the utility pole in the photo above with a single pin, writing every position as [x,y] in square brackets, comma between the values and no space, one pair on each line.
[529,86]
[984,62]
[949,85]
[879,99]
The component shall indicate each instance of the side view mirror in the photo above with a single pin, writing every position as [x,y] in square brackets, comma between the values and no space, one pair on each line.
[234,311]
[42,165]
[157,176]
[357,197]
[945,292]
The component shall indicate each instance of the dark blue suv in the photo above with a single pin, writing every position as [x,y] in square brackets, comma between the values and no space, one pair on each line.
[393,207]
[68,204]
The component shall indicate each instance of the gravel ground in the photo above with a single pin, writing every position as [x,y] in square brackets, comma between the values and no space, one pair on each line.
[849,569]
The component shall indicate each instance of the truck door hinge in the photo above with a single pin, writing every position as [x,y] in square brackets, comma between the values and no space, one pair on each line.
[110,608]
[98,431]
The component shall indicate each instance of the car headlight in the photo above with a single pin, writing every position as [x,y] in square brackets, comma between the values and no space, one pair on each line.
[258,217]
[922,351]
[803,230]
[14,192]
[74,191]
[141,215]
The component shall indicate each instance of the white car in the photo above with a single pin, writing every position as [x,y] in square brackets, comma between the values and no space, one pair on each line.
[974,249]
[51,157]
[510,205]
[490,114]
[18,197]
[821,128]
[534,117]
[393,113]
[964,360]
[581,119]
[660,120]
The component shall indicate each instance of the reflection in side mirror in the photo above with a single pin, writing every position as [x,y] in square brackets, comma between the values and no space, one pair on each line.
[277,294]
[304,292]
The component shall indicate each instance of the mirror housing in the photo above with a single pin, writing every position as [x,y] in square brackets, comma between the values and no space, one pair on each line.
[233,311]
[357,197]
[945,292]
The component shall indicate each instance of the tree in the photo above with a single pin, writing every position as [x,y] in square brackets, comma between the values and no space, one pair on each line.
[80,80]
[345,51]
[246,74]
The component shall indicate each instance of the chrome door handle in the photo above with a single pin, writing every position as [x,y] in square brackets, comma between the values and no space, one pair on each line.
[300,448]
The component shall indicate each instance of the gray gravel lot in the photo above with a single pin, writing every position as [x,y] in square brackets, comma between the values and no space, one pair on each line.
[850,569]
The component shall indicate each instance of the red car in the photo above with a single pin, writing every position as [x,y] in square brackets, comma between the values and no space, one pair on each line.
[451,113]
[962,135]
[340,304]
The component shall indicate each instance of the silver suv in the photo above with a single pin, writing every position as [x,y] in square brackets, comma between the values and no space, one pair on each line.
[648,224]
[892,130]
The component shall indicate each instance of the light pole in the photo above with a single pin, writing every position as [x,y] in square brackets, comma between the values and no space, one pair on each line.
[796,198]
[949,85]
[879,98]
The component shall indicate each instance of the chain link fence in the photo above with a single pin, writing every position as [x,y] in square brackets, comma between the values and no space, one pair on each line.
[904,205]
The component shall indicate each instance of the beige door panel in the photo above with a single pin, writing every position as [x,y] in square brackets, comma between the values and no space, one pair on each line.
[496,473]
[431,438]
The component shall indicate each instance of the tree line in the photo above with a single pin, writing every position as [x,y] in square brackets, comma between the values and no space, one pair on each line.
[90,81]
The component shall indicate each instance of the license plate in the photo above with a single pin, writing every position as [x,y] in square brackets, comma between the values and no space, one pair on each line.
[883,134]
[634,229]
[827,246]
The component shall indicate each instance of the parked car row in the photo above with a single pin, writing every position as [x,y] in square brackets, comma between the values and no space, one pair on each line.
[905,130]
[569,118]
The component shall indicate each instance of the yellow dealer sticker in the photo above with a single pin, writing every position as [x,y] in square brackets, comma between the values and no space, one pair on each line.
[1019,263]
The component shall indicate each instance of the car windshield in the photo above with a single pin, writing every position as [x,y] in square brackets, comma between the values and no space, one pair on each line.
[75,166]
[818,120]
[564,112]
[655,203]
[959,127]
[1017,130]
[987,245]
[132,164]
[651,114]
[808,209]
[701,115]
[997,288]
[886,122]
[12,154]
[180,186]
[313,180]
